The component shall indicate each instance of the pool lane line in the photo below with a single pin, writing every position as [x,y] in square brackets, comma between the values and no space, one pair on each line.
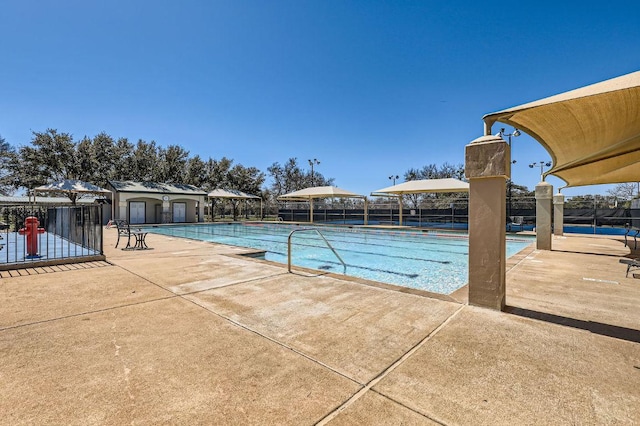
[333,235]
[274,241]
[386,271]
[241,233]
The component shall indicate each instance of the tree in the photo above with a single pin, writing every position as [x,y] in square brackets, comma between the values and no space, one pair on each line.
[7,167]
[172,164]
[145,162]
[625,191]
[196,172]
[217,173]
[217,176]
[291,177]
[432,171]
[104,157]
[245,179]
[51,156]
[84,159]
[123,160]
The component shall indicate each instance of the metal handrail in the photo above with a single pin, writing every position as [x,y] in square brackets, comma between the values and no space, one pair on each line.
[321,236]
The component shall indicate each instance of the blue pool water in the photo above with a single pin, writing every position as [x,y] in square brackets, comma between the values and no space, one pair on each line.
[436,262]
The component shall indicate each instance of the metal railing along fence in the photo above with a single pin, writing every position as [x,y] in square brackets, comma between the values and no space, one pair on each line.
[37,235]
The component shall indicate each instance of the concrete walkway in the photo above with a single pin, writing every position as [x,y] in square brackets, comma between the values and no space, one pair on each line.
[192,333]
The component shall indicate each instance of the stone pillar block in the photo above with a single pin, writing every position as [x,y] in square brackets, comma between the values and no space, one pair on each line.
[558,214]
[200,211]
[544,196]
[122,210]
[487,167]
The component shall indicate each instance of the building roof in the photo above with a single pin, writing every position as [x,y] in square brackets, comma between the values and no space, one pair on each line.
[43,200]
[156,188]
[71,186]
[592,133]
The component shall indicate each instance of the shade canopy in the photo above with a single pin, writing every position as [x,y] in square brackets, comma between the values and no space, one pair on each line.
[309,194]
[592,133]
[231,193]
[319,192]
[72,186]
[424,186]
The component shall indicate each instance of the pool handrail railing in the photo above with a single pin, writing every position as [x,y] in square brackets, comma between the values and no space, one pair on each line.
[321,236]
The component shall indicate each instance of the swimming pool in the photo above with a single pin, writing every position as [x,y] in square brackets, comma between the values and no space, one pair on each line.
[431,261]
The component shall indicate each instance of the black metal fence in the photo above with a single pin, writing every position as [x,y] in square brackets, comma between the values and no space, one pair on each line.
[453,214]
[36,235]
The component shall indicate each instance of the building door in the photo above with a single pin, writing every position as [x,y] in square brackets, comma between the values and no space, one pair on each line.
[137,212]
[179,212]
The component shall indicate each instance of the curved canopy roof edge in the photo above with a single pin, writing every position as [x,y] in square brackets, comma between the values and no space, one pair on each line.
[592,133]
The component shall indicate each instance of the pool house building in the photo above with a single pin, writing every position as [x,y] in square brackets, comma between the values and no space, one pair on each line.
[152,202]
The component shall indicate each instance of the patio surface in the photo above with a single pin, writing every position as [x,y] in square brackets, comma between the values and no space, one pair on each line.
[192,333]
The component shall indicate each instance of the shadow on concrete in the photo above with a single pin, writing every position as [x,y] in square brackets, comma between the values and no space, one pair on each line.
[622,333]
[593,253]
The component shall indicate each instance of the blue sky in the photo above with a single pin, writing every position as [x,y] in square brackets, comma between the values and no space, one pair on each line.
[370,88]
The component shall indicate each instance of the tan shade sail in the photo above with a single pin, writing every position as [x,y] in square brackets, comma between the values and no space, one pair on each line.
[591,133]
[231,193]
[423,186]
[309,194]
[319,192]
[72,186]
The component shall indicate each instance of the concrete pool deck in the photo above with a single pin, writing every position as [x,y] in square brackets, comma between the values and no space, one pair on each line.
[191,333]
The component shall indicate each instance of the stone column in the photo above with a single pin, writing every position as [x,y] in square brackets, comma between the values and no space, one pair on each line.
[201,209]
[122,210]
[558,214]
[544,195]
[166,209]
[487,166]
[366,211]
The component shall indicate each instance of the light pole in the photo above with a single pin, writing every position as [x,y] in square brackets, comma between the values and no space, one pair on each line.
[311,163]
[515,134]
[542,165]
[393,178]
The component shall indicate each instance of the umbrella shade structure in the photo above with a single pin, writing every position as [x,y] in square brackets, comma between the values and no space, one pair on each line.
[320,192]
[424,186]
[421,187]
[72,187]
[592,133]
[233,194]
[309,194]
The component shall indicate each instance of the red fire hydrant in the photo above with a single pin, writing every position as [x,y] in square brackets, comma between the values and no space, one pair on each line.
[31,231]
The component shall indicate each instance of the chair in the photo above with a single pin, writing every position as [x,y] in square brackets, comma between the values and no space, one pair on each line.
[517,221]
[632,265]
[629,230]
[123,231]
